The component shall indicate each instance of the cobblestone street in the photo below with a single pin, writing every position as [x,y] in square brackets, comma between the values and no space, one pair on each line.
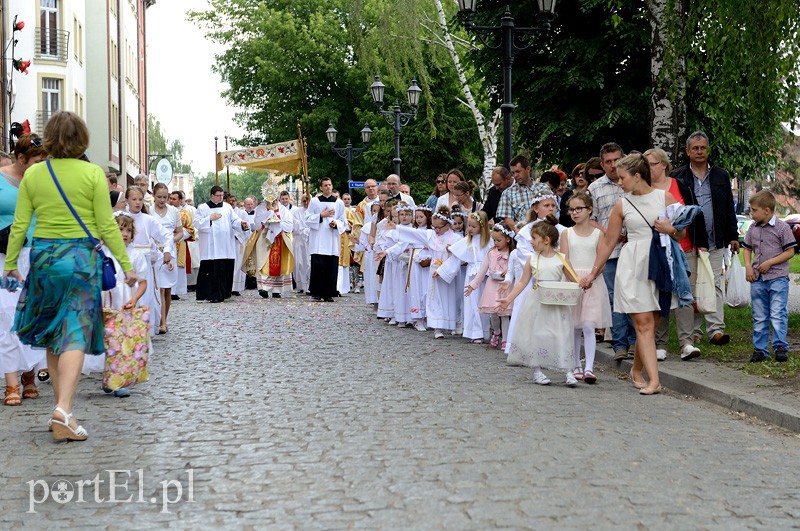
[293,414]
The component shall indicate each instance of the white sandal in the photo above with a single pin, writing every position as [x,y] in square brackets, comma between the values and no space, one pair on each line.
[540,379]
[62,431]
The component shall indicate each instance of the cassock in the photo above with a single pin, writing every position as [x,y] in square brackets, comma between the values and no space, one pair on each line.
[302,259]
[324,244]
[241,241]
[217,250]
[249,264]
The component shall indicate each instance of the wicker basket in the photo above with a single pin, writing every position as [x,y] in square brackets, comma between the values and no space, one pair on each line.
[559,293]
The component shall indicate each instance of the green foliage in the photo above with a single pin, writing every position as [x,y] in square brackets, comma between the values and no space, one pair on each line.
[243,184]
[742,79]
[581,84]
[304,61]
[160,145]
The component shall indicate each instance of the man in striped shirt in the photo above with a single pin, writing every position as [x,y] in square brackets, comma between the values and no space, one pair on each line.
[517,200]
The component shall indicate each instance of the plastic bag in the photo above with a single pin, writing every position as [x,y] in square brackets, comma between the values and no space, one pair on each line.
[705,295]
[737,294]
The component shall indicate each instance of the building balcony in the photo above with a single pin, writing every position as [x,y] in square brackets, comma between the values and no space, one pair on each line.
[51,45]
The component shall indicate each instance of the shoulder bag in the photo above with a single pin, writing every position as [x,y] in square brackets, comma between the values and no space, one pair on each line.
[109,271]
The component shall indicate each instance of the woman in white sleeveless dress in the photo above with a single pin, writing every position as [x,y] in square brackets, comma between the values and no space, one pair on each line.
[636,295]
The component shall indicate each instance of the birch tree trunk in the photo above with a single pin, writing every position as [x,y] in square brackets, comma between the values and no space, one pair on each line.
[487,132]
[668,75]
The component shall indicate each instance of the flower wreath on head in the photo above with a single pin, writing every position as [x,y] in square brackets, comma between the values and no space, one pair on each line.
[404,208]
[460,213]
[424,208]
[543,197]
[119,213]
[476,217]
[443,218]
[502,228]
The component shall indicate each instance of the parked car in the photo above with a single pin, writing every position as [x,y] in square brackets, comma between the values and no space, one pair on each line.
[794,222]
[743,223]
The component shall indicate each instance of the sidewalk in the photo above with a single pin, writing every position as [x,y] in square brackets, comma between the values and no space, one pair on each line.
[724,386]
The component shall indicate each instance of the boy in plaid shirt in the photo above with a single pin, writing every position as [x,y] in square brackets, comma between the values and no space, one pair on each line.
[768,246]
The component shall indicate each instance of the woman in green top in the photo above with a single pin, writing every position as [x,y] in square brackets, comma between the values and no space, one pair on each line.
[60,307]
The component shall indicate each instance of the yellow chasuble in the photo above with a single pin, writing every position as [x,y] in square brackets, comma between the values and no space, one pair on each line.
[345,245]
[183,250]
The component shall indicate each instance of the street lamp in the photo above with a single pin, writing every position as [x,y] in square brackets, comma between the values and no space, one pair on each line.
[349,153]
[508,45]
[396,117]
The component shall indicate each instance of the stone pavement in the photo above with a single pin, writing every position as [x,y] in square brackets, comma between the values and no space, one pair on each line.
[291,414]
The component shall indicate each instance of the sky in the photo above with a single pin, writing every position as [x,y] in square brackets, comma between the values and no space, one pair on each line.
[182,91]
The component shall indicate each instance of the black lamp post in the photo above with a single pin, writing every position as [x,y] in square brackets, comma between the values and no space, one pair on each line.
[508,46]
[349,153]
[396,117]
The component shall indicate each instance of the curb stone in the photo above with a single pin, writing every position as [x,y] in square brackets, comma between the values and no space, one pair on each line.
[715,393]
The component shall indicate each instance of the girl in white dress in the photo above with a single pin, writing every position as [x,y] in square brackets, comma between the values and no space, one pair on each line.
[420,278]
[471,251]
[579,244]
[543,336]
[459,227]
[166,273]
[543,205]
[381,224]
[516,265]
[638,212]
[440,304]
[397,270]
[122,296]
[388,239]
[150,235]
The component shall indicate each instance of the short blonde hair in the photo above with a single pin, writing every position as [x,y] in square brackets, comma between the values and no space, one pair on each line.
[763,199]
[66,136]
[661,156]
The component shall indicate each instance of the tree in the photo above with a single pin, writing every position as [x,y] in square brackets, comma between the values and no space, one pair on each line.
[742,78]
[582,83]
[297,61]
[159,145]
[430,38]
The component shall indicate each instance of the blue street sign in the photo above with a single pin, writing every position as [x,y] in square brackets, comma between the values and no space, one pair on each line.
[357,184]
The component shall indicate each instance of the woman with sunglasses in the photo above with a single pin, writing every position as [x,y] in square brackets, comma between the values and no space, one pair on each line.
[454,176]
[582,176]
[14,356]
[439,190]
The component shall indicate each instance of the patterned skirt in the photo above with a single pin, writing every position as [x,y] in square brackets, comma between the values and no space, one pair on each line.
[60,305]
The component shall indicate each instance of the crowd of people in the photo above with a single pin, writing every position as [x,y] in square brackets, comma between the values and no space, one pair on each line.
[625,236]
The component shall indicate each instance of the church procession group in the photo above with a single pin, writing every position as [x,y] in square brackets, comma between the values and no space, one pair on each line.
[492,272]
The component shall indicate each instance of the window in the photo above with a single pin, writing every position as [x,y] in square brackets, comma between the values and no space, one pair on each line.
[48,26]
[78,104]
[114,59]
[77,31]
[114,122]
[51,96]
